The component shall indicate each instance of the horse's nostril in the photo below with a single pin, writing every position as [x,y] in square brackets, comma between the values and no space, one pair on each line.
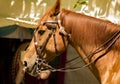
[40,47]
[25,63]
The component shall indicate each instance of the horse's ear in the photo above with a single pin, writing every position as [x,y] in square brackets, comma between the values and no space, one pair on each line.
[54,11]
[56,8]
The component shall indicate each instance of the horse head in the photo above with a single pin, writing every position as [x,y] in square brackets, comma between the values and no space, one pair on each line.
[45,45]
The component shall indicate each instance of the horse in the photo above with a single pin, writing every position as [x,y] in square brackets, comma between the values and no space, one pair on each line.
[96,41]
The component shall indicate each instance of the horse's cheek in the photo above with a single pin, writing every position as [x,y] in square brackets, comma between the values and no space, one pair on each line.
[62,45]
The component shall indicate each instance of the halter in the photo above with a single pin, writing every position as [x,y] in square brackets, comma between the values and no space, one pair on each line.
[40,61]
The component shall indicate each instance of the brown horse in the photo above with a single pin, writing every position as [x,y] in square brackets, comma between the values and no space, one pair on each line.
[97,42]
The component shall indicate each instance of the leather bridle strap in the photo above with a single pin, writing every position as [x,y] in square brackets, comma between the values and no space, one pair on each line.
[40,60]
[38,49]
[100,50]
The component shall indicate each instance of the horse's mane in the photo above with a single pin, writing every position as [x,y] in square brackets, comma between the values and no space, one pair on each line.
[91,21]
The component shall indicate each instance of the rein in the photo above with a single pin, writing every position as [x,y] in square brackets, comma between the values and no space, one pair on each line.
[40,61]
[100,50]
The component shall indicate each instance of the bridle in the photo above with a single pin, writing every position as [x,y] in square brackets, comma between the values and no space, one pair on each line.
[41,65]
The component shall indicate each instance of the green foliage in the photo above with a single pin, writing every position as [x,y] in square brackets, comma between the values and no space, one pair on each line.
[80,2]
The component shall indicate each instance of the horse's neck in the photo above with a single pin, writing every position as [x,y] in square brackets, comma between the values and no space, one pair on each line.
[82,36]
[86,36]
[87,33]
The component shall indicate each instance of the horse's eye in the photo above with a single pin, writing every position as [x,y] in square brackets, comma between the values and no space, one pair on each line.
[41,32]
